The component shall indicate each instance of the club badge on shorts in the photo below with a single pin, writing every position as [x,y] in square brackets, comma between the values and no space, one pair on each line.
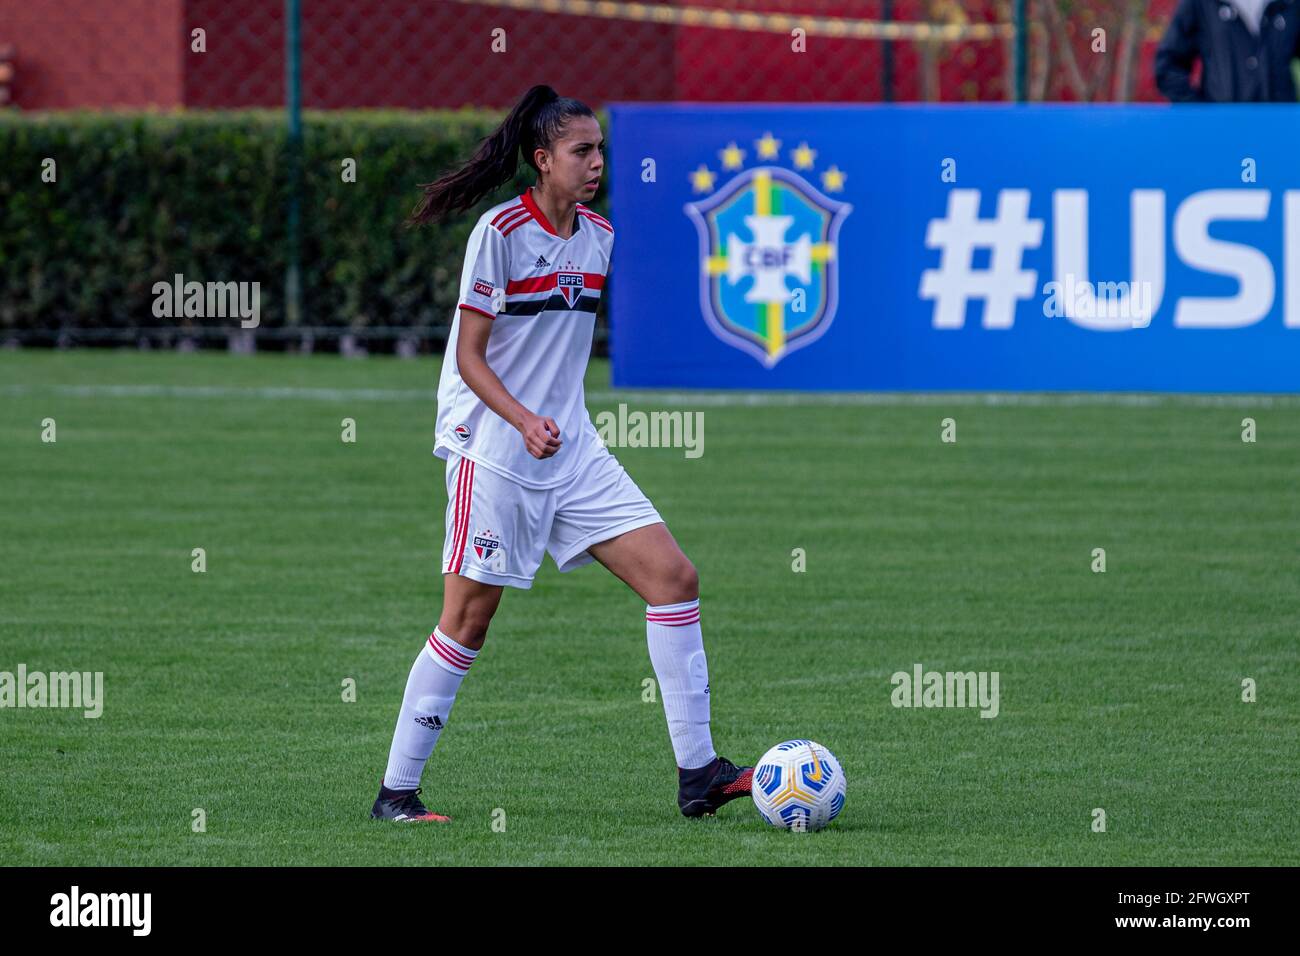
[461,431]
[488,547]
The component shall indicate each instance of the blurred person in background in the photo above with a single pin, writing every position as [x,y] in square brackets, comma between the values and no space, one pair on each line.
[1245,48]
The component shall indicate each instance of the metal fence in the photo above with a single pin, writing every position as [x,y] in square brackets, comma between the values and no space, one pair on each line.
[420,54]
[423,54]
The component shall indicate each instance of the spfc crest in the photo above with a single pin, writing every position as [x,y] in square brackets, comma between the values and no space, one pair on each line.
[570,285]
[486,545]
[769,276]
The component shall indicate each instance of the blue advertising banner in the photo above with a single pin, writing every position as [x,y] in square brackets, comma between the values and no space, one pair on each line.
[847,247]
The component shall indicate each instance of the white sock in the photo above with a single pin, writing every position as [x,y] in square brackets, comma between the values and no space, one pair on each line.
[677,653]
[430,692]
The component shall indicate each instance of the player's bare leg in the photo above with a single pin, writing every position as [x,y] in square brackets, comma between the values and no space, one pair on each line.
[650,562]
[467,609]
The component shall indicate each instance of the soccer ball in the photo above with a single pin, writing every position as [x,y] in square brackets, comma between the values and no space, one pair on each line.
[798,785]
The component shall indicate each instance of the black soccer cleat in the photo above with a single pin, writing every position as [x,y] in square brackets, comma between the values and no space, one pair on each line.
[701,791]
[403,806]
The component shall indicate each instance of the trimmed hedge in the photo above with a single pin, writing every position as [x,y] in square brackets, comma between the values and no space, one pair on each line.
[141,197]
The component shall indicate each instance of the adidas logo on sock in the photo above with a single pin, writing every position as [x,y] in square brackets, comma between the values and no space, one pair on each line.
[540,263]
[433,723]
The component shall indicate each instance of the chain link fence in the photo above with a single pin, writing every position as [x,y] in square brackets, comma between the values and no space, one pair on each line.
[421,54]
[449,54]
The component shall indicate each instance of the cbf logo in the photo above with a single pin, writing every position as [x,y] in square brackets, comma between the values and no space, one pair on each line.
[570,285]
[769,281]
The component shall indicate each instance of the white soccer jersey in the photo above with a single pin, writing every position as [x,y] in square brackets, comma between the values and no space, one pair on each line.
[541,292]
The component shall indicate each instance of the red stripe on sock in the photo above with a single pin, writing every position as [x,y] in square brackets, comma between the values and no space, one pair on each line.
[441,652]
[686,616]
[675,621]
[452,648]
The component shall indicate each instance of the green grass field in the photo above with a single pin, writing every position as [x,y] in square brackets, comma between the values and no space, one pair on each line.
[223,692]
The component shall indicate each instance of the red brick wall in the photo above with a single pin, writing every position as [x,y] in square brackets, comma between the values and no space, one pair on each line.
[94,53]
[418,54]
[435,53]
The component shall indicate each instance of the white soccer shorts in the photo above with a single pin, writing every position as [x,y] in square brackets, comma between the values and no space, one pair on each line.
[499,530]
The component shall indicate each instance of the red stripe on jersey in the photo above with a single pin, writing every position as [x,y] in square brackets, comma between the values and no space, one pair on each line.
[506,214]
[595,217]
[590,280]
[474,308]
[527,197]
[515,224]
[598,221]
[509,222]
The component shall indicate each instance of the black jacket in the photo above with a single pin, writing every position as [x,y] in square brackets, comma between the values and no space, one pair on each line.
[1236,65]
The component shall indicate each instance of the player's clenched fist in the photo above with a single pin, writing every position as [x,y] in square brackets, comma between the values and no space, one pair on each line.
[541,435]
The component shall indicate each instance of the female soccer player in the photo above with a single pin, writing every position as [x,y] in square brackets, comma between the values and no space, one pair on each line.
[526,471]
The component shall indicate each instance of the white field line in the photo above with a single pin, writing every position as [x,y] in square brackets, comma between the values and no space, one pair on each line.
[677,398]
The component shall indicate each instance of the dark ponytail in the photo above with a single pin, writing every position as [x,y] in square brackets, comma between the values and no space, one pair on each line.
[536,122]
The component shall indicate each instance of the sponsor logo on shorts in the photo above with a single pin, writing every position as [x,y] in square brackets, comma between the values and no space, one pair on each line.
[483,287]
[462,432]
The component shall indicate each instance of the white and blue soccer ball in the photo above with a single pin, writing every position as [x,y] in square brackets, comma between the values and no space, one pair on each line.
[798,785]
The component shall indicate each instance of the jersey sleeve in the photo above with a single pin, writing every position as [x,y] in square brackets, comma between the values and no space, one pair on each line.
[489,260]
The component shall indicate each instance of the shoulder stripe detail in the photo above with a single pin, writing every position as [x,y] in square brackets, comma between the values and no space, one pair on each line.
[595,215]
[516,222]
[597,220]
[506,214]
[508,217]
